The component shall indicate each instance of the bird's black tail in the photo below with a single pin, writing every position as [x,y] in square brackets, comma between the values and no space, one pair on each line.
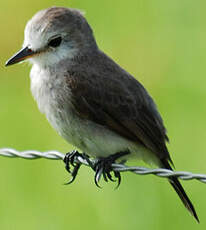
[180,191]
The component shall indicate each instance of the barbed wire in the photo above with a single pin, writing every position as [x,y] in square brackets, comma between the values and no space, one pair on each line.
[55,155]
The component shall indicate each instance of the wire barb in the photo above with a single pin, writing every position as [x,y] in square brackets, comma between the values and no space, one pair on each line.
[55,155]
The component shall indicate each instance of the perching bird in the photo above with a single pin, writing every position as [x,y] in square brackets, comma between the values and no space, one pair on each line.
[89,99]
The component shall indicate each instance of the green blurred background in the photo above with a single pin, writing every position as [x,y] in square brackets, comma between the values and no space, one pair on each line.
[161,42]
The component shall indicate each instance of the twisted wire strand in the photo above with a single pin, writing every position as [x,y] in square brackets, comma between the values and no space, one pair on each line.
[55,155]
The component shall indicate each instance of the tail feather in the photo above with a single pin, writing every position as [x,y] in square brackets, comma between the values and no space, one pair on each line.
[180,191]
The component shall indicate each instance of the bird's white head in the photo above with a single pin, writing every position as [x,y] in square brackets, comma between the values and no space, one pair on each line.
[53,35]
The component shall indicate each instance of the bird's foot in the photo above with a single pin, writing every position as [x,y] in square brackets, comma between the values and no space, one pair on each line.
[103,167]
[69,161]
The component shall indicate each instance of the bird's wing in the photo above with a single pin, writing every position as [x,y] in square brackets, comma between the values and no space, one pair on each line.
[125,109]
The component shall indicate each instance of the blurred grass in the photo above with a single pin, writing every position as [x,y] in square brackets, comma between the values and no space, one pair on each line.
[160,42]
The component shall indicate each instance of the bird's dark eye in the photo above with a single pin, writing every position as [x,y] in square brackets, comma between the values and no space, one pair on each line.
[55,42]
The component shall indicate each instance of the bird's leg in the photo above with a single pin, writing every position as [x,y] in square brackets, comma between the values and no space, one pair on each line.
[104,167]
[69,160]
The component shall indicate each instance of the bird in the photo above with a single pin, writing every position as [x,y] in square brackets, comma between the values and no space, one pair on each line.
[90,100]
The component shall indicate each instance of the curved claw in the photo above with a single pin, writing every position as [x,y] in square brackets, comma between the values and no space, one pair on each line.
[74,173]
[69,160]
[109,176]
[118,176]
[97,176]
[105,176]
[72,180]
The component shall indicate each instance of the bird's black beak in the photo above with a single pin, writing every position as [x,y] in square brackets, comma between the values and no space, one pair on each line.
[20,56]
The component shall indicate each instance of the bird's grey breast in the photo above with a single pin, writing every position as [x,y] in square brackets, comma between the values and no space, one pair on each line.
[53,97]
[49,89]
